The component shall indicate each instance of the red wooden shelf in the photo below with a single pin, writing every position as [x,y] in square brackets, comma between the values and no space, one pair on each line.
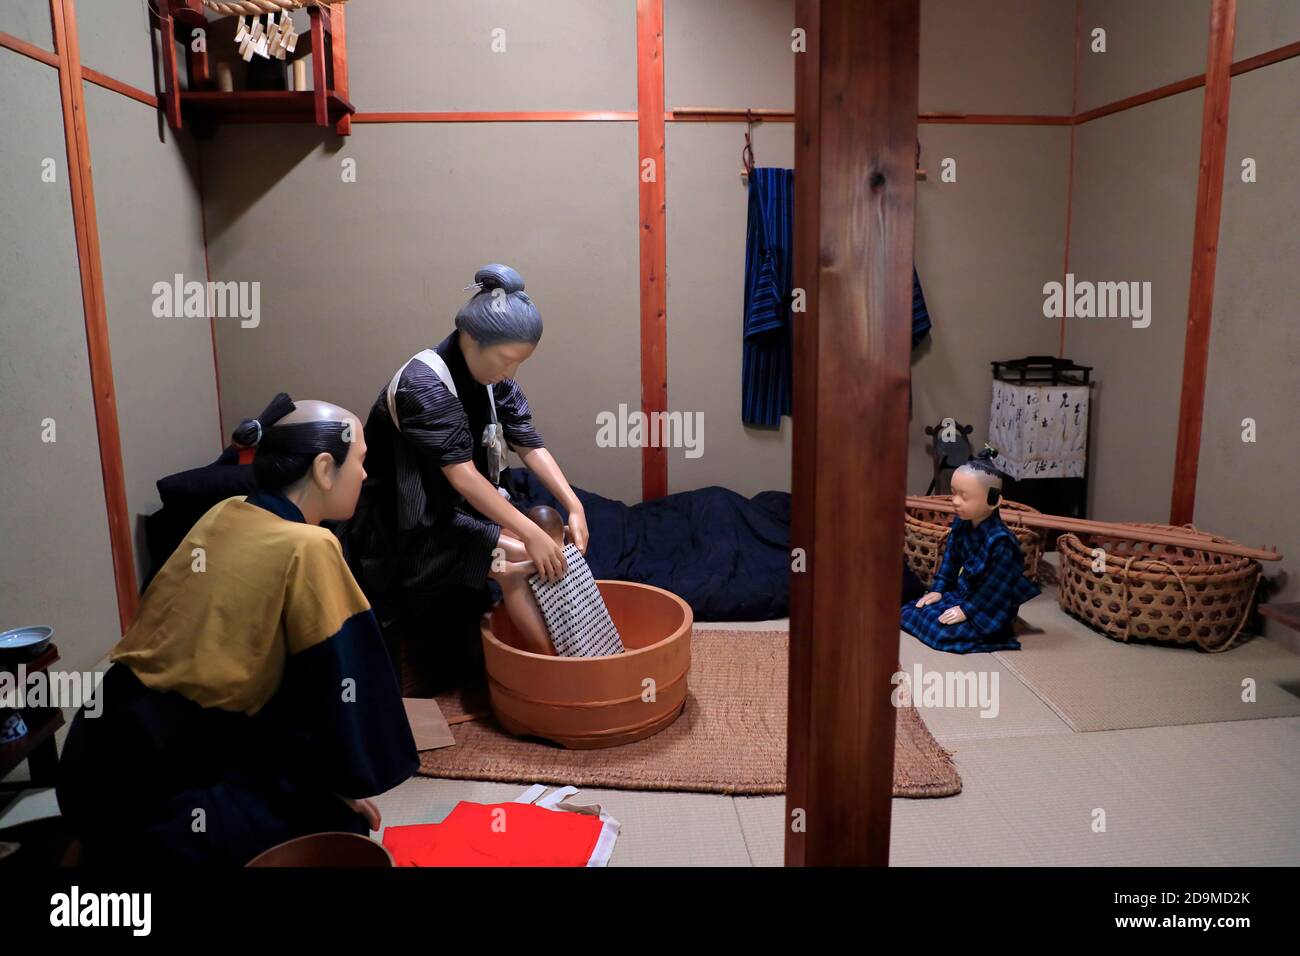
[263,106]
[38,663]
[326,104]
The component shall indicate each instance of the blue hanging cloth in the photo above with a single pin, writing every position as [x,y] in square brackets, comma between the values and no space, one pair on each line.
[767,371]
[920,314]
[767,364]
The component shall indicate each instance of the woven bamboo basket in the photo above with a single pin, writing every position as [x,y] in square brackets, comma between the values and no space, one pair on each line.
[926,532]
[1156,592]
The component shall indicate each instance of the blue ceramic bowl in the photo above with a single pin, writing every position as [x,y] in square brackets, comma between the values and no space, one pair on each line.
[25,642]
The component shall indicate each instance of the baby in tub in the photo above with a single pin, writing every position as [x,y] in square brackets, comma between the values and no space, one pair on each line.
[567,617]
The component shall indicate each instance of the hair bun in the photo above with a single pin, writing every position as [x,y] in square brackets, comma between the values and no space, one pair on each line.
[250,430]
[498,276]
[985,462]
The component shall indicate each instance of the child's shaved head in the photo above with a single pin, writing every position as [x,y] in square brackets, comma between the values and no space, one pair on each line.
[549,520]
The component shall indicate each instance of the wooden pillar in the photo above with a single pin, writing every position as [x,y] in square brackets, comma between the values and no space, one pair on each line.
[319,59]
[339,62]
[200,70]
[654,254]
[72,94]
[855,158]
[189,18]
[1205,247]
[171,74]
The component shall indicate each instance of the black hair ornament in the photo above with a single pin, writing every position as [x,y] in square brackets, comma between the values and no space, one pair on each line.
[249,432]
[984,462]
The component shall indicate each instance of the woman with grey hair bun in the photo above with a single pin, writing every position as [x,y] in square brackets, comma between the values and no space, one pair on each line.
[434,522]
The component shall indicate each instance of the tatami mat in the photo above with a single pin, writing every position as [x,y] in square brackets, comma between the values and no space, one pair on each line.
[1205,794]
[1042,795]
[1095,683]
[673,829]
[1232,784]
[1018,711]
[1199,795]
[762,821]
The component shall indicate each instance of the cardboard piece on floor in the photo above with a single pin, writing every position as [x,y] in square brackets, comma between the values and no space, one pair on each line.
[428,726]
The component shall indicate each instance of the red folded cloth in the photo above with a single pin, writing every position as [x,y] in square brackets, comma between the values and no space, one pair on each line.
[497,834]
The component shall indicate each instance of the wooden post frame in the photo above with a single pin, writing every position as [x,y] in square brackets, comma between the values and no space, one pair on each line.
[172,95]
[855,189]
[319,59]
[339,63]
[654,252]
[72,93]
[1205,248]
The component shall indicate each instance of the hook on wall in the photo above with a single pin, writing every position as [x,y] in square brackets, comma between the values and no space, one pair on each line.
[747,154]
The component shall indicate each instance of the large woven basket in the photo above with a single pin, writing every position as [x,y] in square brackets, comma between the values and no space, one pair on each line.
[926,532]
[1156,592]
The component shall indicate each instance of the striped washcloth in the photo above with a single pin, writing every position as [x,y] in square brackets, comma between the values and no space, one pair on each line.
[575,612]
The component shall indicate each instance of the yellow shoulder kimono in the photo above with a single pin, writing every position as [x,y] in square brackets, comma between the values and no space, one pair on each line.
[251,694]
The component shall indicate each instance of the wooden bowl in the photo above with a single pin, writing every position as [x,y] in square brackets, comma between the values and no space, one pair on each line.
[325,850]
[585,703]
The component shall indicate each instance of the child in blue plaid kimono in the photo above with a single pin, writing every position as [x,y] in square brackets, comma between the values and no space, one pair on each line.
[981,580]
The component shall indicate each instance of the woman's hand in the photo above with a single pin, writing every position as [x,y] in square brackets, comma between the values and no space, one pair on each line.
[928,599]
[546,554]
[541,464]
[367,809]
[577,528]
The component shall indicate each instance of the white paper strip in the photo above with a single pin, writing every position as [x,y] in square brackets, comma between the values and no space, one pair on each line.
[531,794]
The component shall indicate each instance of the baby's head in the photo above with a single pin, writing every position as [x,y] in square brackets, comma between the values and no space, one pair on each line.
[549,520]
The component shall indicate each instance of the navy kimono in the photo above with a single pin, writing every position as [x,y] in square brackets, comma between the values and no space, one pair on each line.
[768,345]
[420,551]
[413,533]
[767,348]
[983,571]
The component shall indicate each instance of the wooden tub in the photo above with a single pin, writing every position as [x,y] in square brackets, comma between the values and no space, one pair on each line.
[589,702]
[325,849]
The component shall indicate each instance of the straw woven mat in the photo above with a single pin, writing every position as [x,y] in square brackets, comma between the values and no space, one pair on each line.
[730,738]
